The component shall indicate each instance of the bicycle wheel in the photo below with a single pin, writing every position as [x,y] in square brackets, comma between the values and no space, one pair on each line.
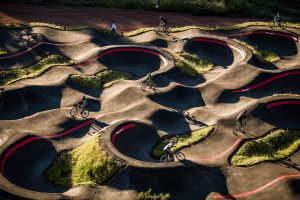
[74,111]
[167,30]
[85,113]
[282,25]
[152,85]
[180,156]
[164,158]
[272,24]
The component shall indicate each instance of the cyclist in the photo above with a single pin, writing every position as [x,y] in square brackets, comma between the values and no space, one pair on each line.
[113,28]
[278,18]
[82,102]
[167,148]
[242,116]
[163,22]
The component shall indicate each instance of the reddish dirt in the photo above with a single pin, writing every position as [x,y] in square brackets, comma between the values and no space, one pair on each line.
[101,17]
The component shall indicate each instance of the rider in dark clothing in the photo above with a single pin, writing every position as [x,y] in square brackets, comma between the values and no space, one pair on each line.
[82,102]
[163,21]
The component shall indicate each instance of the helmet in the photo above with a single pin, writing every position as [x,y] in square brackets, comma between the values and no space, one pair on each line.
[161,17]
[172,141]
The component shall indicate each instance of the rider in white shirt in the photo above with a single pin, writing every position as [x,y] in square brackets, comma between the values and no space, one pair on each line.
[167,148]
[113,27]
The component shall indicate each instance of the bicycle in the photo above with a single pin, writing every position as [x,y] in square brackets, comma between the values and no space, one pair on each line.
[240,126]
[162,28]
[82,110]
[166,158]
[148,83]
[277,22]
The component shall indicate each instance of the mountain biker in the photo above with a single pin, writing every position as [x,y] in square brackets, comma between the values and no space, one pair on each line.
[242,116]
[82,102]
[113,28]
[278,18]
[167,148]
[163,22]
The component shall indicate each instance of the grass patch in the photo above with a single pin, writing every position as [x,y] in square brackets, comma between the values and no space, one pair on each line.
[276,145]
[88,164]
[191,65]
[262,55]
[101,80]
[148,195]
[3,51]
[13,75]
[215,28]
[182,141]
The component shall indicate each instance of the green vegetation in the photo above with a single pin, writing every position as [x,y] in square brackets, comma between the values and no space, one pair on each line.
[3,51]
[265,56]
[216,28]
[192,65]
[13,75]
[148,196]
[103,79]
[274,146]
[262,55]
[253,8]
[182,141]
[88,164]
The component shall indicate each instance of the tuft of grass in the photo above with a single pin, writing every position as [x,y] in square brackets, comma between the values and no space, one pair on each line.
[276,145]
[192,65]
[88,164]
[149,196]
[103,79]
[262,55]
[3,51]
[12,75]
[266,56]
[182,141]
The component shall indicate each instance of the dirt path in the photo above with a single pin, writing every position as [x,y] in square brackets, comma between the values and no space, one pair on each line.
[101,17]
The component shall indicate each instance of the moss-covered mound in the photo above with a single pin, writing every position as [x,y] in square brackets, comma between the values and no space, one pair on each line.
[274,146]
[148,195]
[192,65]
[262,55]
[12,75]
[101,80]
[3,51]
[182,141]
[86,164]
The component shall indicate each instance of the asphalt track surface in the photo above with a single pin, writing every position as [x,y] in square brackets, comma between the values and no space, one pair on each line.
[37,127]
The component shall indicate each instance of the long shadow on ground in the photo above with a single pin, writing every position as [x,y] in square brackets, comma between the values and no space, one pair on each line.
[283,116]
[180,98]
[286,84]
[190,182]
